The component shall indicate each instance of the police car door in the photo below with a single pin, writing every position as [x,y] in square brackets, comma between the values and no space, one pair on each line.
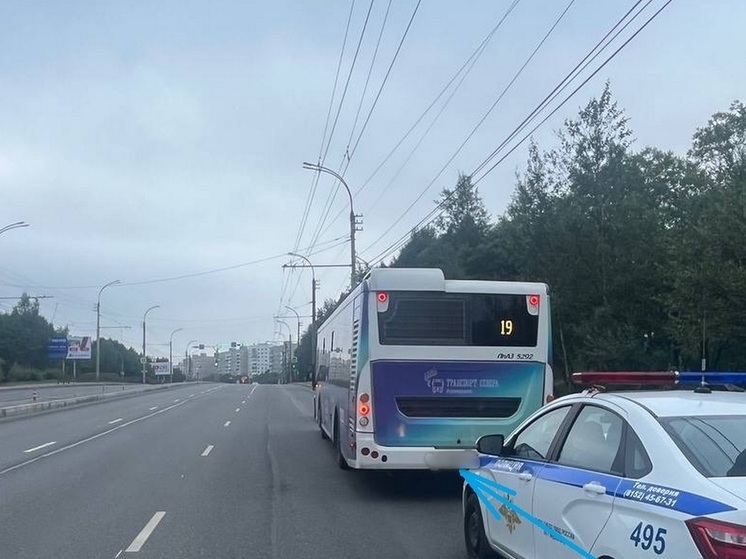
[574,495]
[517,469]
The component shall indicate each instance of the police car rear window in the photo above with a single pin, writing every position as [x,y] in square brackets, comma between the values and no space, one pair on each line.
[716,446]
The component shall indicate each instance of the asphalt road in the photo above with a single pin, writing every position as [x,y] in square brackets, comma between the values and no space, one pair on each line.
[213,471]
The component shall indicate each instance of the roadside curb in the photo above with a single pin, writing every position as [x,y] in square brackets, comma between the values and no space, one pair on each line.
[56,405]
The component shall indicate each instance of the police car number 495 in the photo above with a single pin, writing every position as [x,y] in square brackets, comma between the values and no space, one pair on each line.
[616,475]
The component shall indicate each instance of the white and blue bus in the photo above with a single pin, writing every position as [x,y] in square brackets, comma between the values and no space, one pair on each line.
[411,366]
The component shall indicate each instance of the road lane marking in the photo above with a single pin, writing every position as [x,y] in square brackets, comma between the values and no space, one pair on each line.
[191,395]
[252,390]
[208,450]
[243,401]
[145,533]
[226,424]
[118,554]
[176,401]
[153,408]
[238,410]
[115,421]
[45,445]
[91,438]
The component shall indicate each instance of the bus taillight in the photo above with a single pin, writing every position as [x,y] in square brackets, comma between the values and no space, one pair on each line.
[363,409]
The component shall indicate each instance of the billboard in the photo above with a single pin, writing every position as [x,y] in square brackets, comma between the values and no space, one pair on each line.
[79,347]
[57,348]
[161,367]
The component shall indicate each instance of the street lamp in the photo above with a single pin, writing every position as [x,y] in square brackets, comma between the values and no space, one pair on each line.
[98,327]
[171,353]
[16,225]
[144,358]
[297,317]
[290,347]
[313,317]
[353,221]
[188,358]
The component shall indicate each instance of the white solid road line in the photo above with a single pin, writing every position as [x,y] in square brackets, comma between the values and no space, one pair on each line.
[208,450]
[145,533]
[226,424]
[153,408]
[115,421]
[45,445]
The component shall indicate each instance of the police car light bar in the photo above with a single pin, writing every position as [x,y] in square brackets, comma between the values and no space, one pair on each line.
[658,378]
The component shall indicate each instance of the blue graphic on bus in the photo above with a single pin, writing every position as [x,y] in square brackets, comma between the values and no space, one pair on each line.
[451,404]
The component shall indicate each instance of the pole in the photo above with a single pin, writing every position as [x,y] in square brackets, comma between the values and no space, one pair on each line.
[313,317]
[144,358]
[353,225]
[98,328]
[171,354]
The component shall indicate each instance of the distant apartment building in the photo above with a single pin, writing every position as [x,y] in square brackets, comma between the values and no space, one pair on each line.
[199,366]
[233,361]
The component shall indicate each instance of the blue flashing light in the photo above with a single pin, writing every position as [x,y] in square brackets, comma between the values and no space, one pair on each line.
[712,377]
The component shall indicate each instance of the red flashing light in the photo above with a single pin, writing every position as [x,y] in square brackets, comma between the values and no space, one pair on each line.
[533,300]
[382,296]
[364,409]
[624,377]
[716,539]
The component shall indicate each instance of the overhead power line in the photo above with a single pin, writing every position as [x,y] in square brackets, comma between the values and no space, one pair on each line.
[432,214]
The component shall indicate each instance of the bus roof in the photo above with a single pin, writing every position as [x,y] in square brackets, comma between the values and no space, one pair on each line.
[432,279]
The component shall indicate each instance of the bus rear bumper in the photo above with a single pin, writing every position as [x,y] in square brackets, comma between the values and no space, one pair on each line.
[371,456]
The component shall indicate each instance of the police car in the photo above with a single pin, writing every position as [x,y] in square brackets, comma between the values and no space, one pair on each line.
[616,475]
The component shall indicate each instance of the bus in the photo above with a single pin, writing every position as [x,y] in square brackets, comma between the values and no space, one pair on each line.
[411,366]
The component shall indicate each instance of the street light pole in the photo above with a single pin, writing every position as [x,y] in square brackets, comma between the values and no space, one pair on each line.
[188,358]
[297,317]
[353,221]
[98,327]
[290,348]
[144,358]
[171,354]
[313,317]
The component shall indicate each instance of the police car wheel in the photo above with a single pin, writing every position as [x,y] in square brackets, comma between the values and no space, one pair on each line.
[477,546]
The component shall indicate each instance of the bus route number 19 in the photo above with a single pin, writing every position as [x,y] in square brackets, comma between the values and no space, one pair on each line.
[506,327]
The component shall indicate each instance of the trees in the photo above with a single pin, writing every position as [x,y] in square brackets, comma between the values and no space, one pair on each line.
[642,250]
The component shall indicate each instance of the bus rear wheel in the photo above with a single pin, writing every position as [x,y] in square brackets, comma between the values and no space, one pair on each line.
[321,427]
[338,456]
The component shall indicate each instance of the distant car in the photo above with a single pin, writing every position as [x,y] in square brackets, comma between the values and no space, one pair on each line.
[615,476]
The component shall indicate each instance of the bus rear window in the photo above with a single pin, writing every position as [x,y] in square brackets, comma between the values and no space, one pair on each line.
[468,319]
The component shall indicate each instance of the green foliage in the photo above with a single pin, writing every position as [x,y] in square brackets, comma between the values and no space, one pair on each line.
[640,249]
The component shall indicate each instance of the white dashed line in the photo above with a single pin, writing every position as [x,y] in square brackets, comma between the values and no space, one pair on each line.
[238,410]
[143,536]
[243,401]
[118,554]
[191,395]
[226,424]
[45,445]
[115,421]
[208,450]
[176,401]
[154,408]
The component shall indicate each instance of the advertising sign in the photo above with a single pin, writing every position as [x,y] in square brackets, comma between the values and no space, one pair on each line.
[161,368]
[57,348]
[79,347]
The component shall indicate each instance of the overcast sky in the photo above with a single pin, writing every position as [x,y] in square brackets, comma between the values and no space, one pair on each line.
[146,140]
